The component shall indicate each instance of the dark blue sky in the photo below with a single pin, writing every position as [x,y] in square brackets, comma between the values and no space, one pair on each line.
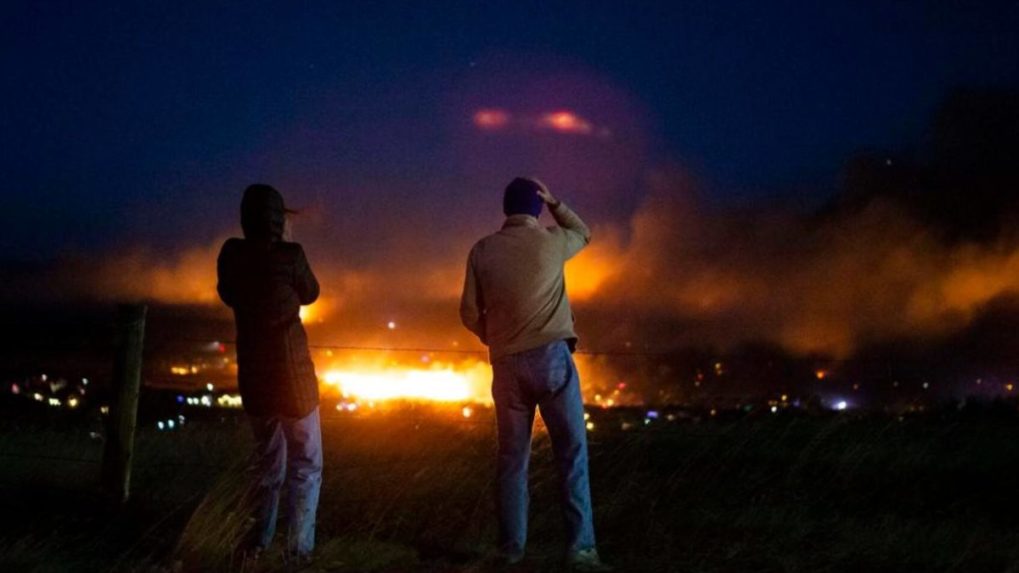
[142,123]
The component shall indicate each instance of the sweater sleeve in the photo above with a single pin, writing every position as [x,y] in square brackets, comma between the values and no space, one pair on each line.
[577,234]
[472,309]
[305,282]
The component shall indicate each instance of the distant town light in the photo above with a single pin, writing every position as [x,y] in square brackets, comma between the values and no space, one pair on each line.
[841,405]
[229,401]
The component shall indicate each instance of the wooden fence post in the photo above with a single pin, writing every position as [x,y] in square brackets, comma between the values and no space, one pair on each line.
[123,417]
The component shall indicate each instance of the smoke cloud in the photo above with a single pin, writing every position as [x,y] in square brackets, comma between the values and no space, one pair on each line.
[677,272]
[811,284]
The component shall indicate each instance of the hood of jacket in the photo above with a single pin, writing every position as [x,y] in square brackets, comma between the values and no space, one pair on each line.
[262,213]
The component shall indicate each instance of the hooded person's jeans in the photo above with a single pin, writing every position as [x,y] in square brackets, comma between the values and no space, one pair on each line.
[287,450]
[545,377]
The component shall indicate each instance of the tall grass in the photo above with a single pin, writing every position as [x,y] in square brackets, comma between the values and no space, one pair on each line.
[413,490]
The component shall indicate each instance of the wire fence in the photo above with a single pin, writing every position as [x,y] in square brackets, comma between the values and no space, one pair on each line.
[637,425]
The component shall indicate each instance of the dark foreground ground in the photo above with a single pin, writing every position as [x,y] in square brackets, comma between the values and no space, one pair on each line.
[412,491]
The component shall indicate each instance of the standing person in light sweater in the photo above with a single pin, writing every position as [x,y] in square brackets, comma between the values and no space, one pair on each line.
[514,300]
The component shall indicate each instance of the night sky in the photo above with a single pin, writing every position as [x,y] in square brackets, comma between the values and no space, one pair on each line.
[141,124]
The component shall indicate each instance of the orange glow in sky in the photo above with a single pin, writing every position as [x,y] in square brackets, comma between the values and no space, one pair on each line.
[566,122]
[491,119]
[585,274]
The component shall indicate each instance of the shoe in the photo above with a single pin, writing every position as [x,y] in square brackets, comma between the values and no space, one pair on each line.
[588,560]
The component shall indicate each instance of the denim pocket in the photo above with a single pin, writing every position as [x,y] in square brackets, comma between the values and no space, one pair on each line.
[556,367]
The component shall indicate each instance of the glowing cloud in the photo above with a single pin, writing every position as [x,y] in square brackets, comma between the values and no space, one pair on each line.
[559,121]
[565,122]
[491,119]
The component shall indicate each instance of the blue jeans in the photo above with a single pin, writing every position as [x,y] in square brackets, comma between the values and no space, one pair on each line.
[545,377]
[290,450]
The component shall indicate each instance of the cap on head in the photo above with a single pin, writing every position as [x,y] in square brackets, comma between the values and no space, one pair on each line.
[521,198]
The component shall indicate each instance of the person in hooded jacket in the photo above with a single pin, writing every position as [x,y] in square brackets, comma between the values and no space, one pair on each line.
[265,279]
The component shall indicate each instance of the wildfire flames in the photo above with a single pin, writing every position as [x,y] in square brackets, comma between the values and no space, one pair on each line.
[438,381]
[368,376]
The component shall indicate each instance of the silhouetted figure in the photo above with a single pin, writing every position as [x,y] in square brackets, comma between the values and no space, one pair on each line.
[514,300]
[266,279]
